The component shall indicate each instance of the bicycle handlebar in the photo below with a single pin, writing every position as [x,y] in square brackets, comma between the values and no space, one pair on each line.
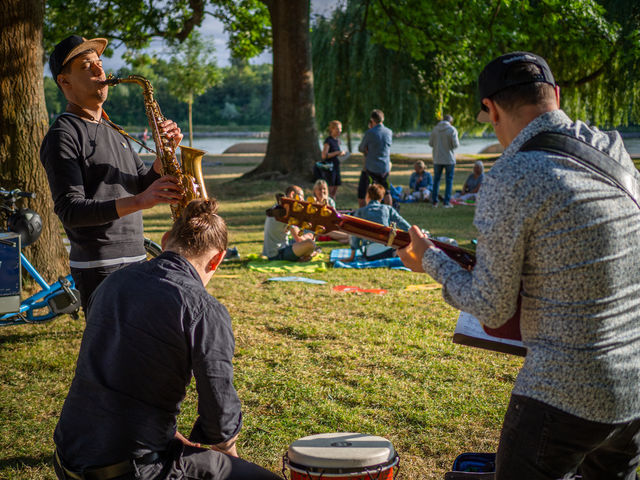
[14,194]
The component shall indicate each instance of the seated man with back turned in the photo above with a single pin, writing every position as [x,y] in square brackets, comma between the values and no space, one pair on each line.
[276,244]
[377,212]
[151,326]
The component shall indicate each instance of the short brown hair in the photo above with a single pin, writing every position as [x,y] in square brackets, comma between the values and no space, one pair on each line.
[377,116]
[375,191]
[516,96]
[198,230]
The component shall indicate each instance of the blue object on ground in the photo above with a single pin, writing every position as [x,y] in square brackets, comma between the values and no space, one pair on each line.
[296,279]
[394,263]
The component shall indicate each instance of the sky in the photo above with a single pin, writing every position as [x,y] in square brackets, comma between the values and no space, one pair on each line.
[213,29]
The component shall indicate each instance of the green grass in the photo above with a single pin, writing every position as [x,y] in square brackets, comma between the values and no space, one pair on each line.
[308,359]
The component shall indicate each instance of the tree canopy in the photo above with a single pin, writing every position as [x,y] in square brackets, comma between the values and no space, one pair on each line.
[593,48]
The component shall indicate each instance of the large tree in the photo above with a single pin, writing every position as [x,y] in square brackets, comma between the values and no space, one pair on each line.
[23,124]
[293,139]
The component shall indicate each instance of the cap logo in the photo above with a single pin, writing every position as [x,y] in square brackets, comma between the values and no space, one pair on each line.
[520,58]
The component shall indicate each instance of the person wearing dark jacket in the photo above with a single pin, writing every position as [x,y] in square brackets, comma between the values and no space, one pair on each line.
[151,327]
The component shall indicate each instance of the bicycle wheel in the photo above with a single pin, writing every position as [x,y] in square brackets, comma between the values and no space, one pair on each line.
[152,248]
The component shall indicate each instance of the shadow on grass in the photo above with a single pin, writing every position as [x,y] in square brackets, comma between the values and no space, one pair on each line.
[17,462]
[37,336]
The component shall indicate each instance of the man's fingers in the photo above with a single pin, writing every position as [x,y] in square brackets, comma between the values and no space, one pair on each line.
[415,233]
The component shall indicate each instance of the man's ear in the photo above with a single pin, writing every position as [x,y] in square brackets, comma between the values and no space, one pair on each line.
[62,80]
[494,115]
[557,91]
[163,242]
[215,261]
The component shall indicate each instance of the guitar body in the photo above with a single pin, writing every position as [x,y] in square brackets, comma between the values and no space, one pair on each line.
[323,219]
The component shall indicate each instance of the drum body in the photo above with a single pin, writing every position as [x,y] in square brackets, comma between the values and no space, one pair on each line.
[341,456]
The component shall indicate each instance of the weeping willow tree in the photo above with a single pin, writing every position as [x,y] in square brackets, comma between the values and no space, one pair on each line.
[355,75]
[432,53]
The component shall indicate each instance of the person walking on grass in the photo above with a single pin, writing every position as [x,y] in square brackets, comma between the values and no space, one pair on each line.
[443,141]
[558,223]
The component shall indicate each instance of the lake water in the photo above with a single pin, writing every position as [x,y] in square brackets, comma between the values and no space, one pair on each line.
[217,145]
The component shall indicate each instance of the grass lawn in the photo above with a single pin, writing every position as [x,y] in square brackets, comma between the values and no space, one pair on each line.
[308,359]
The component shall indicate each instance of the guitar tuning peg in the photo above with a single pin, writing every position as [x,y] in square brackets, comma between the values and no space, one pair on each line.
[311,209]
[319,230]
[293,221]
[297,207]
[325,212]
[305,226]
[311,199]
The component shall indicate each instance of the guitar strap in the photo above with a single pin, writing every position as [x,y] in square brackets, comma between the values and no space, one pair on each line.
[590,157]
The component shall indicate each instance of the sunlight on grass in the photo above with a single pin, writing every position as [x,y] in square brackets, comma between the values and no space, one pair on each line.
[308,359]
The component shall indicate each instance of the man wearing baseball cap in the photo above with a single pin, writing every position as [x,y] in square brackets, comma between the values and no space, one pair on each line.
[98,183]
[558,222]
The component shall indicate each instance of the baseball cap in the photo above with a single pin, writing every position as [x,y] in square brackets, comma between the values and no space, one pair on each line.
[69,48]
[496,76]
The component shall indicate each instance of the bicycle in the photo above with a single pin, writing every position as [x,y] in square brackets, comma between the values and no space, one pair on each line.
[52,300]
[23,227]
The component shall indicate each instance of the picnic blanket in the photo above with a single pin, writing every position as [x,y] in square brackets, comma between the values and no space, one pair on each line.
[263,265]
[339,254]
[343,253]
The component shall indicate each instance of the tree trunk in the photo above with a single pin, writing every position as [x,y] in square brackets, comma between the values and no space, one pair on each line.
[293,146]
[23,124]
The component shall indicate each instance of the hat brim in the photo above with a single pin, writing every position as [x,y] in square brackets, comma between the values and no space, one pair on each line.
[97,44]
[483,117]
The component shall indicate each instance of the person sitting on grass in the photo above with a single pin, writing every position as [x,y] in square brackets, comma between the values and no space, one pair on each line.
[278,246]
[471,184]
[321,195]
[420,184]
[375,211]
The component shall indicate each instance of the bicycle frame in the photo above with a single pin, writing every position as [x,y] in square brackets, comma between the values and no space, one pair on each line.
[28,306]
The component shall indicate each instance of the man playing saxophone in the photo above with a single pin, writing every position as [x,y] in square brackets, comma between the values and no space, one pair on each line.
[98,183]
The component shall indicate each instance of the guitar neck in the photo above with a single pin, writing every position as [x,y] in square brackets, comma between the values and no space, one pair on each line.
[399,239]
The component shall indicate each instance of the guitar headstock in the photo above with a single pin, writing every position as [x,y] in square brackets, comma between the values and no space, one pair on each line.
[306,215]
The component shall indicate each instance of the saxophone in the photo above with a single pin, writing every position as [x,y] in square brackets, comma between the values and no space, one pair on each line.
[189,175]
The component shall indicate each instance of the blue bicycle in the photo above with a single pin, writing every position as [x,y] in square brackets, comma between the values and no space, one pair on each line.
[23,227]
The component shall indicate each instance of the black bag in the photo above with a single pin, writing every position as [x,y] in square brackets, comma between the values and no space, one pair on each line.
[471,465]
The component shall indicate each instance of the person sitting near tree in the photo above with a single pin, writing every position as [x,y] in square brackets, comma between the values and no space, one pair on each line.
[321,195]
[377,212]
[278,246]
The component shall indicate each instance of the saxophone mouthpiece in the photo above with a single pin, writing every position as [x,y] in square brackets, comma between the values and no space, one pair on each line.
[111,80]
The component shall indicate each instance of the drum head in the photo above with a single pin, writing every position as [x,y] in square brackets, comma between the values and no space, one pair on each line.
[341,451]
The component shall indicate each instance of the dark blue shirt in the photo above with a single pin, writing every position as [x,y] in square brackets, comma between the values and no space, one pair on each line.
[151,326]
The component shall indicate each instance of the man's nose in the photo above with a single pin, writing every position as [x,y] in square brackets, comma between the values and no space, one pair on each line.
[97,69]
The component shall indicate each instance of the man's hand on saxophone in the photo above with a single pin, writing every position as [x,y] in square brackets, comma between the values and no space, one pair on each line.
[164,190]
[171,131]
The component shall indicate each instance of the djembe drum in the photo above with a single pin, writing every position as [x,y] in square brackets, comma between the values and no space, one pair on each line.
[341,456]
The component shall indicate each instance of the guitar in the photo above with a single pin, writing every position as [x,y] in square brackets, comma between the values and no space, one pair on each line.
[322,219]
